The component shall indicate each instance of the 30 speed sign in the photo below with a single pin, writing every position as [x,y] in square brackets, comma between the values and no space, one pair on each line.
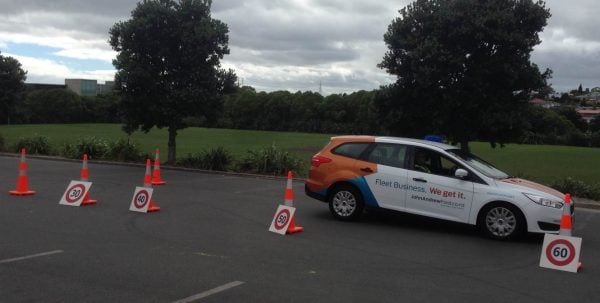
[75,193]
[560,252]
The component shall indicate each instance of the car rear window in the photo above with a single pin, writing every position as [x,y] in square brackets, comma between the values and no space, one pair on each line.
[351,150]
[388,154]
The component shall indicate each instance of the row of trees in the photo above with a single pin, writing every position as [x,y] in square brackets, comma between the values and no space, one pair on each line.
[366,112]
[356,113]
[65,106]
[301,111]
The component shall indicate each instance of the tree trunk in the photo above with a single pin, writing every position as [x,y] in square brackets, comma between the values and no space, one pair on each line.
[172,146]
[464,145]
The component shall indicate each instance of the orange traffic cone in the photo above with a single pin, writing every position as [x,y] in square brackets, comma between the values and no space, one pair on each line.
[156,172]
[289,201]
[85,176]
[148,183]
[566,222]
[22,180]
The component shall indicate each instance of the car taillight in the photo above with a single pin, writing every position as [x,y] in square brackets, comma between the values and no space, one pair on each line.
[318,160]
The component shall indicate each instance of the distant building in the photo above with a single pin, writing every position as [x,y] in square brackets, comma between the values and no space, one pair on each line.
[82,87]
[43,86]
[90,88]
[106,88]
[588,114]
[593,96]
[556,95]
[543,103]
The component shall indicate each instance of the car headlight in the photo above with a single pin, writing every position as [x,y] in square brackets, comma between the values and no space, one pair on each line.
[543,201]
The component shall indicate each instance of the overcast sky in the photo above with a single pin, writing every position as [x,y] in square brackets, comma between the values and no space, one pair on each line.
[276,44]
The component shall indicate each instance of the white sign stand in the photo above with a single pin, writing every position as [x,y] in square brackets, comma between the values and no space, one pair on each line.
[75,193]
[283,218]
[141,199]
[560,252]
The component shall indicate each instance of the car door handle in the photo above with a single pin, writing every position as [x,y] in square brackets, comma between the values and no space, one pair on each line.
[420,180]
[366,169]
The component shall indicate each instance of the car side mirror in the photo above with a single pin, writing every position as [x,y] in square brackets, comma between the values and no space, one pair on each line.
[461,173]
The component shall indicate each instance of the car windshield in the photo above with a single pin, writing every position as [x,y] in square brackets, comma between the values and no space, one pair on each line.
[479,164]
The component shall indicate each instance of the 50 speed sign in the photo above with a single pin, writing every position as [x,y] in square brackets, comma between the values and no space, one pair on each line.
[283,218]
[560,252]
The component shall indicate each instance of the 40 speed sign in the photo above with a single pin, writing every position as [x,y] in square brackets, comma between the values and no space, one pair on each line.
[141,199]
[560,252]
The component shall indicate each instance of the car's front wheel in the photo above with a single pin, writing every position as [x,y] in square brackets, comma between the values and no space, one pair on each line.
[346,203]
[502,221]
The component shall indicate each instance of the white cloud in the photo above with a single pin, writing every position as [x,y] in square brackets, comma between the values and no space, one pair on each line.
[286,44]
[557,39]
[88,54]
[68,46]
[48,71]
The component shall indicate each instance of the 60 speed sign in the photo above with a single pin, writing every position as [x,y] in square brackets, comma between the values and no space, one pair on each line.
[560,252]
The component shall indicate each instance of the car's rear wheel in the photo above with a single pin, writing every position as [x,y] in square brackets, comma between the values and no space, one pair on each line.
[346,203]
[502,221]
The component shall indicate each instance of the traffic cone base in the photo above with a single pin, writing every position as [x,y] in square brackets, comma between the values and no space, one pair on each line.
[88,201]
[152,207]
[22,193]
[160,182]
[293,228]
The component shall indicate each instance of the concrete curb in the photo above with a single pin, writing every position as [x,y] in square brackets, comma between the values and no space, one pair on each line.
[589,205]
[162,166]
[585,203]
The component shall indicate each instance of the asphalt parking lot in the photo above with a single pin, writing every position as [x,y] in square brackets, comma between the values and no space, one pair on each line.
[210,243]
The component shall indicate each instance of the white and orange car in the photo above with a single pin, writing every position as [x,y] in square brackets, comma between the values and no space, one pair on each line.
[430,179]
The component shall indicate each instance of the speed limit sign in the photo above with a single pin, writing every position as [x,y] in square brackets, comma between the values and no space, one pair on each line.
[560,252]
[75,193]
[283,218]
[141,199]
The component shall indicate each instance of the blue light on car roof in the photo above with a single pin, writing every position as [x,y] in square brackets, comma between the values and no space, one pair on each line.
[434,138]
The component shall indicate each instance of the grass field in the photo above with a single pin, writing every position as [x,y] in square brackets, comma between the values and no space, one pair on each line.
[189,140]
[542,163]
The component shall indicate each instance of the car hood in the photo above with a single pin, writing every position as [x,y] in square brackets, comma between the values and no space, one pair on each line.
[534,186]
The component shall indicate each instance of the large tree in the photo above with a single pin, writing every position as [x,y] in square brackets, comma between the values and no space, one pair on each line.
[12,85]
[168,65]
[463,68]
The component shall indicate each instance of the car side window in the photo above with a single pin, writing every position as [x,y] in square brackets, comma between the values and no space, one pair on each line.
[432,162]
[388,154]
[422,160]
[351,150]
[448,167]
